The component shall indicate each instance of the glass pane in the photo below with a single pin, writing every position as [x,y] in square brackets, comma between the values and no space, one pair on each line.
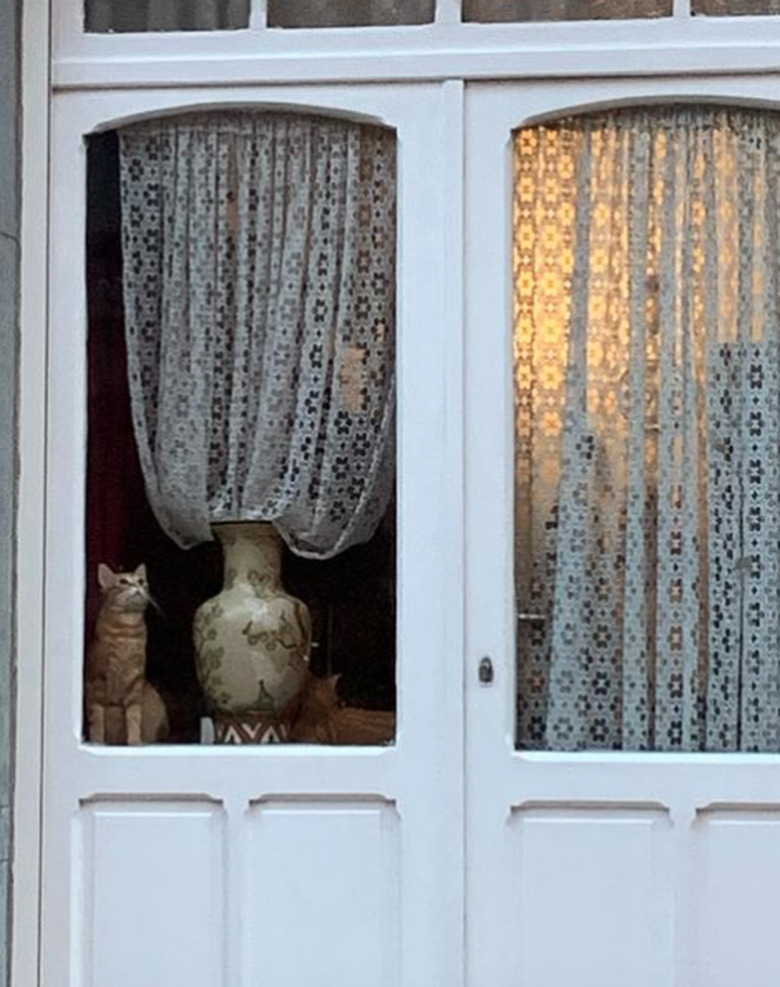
[493,11]
[647,422]
[349,13]
[166,15]
[283,347]
[735,8]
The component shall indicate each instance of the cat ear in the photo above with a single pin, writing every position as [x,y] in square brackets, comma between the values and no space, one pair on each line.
[106,576]
[141,571]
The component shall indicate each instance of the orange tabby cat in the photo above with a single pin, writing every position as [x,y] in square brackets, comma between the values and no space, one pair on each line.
[322,719]
[122,707]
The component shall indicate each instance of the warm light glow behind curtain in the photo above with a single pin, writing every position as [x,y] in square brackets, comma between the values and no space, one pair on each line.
[648,430]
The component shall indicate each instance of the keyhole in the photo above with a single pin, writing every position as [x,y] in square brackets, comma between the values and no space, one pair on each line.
[486,671]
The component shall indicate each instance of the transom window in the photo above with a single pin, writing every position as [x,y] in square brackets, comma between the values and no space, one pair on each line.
[123,16]
[166,15]
[563,10]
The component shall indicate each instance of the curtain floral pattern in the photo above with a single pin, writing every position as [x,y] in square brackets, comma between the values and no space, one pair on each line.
[647,362]
[259,284]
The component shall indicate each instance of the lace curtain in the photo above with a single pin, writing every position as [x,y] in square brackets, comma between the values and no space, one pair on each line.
[647,360]
[259,287]
[166,15]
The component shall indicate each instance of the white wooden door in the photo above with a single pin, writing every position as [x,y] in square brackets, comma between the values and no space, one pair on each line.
[591,869]
[301,866]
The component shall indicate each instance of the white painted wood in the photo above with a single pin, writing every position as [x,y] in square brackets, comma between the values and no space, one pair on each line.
[563,847]
[26,847]
[734,884]
[361,832]
[421,774]
[448,11]
[580,877]
[328,867]
[444,49]
[149,886]
[150,66]
[258,14]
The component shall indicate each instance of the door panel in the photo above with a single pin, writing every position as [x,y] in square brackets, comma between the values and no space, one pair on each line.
[571,874]
[736,866]
[285,853]
[301,865]
[594,868]
[135,862]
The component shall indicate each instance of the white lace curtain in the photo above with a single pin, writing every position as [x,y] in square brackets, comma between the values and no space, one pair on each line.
[259,284]
[647,358]
[166,15]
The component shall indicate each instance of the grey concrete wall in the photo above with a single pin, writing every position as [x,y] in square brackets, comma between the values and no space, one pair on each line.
[10,116]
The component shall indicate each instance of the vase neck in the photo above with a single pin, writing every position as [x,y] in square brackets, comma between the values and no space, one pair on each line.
[253,554]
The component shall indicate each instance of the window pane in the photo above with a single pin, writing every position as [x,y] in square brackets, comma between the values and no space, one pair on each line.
[735,8]
[166,15]
[492,11]
[295,281]
[349,13]
[647,422]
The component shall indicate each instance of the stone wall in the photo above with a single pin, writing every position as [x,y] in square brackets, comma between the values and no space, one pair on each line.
[9,307]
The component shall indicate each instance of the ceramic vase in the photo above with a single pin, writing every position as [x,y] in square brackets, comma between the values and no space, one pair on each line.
[252,640]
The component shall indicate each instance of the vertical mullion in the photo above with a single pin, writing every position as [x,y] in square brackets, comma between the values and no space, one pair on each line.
[258,15]
[448,11]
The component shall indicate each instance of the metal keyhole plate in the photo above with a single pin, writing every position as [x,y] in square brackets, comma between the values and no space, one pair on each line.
[486,671]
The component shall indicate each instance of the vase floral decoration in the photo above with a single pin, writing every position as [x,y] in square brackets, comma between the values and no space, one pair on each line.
[252,640]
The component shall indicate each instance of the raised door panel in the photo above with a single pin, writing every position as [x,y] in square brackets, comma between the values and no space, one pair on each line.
[150,894]
[330,868]
[734,893]
[584,867]
[338,865]
[592,894]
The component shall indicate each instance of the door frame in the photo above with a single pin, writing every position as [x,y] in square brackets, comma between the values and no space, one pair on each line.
[705,51]
[414,788]
[505,786]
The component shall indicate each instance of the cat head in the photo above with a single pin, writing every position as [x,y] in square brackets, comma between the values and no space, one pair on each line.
[124,590]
